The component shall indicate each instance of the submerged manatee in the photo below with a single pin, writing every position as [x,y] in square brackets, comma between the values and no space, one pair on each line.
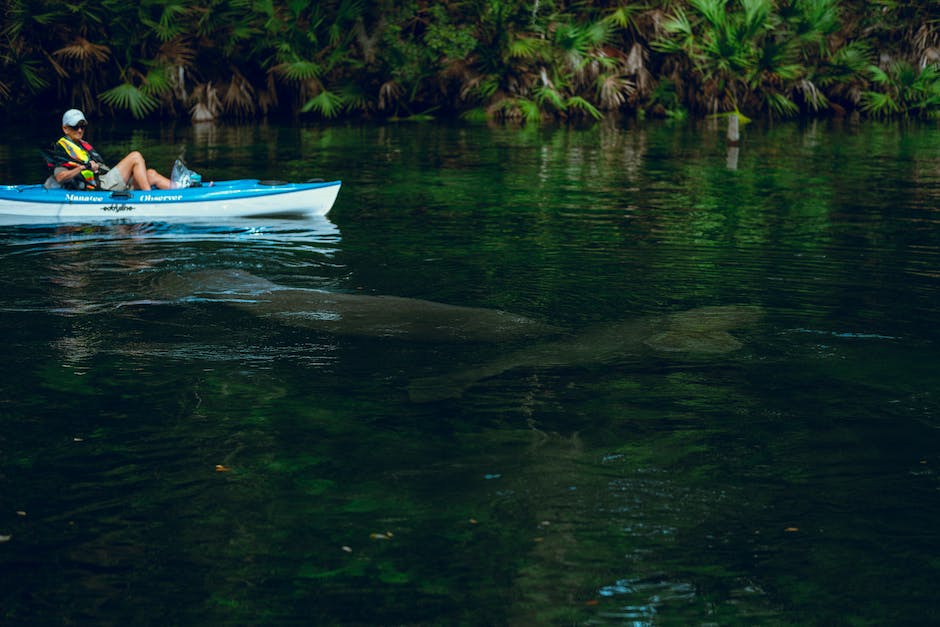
[352,314]
[702,331]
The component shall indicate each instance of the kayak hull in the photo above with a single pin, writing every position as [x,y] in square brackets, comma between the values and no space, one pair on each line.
[245,198]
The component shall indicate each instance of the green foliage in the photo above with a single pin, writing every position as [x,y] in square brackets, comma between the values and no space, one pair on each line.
[169,25]
[577,104]
[904,89]
[780,58]
[298,70]
[477,114]
[326,103]
[768,57]
[130,98]
[446,38]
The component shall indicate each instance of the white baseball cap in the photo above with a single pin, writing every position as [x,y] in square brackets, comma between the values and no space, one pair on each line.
[73,117]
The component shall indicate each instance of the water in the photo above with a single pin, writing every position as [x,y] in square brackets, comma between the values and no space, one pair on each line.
[186,462]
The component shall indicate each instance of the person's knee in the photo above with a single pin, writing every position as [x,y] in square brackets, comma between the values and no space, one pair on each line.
[135,156]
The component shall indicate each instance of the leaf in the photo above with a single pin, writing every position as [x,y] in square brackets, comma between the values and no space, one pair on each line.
[326,103]
[156,82]
[781,105]
[524,48]
[354,97]
[550,96]
[623,16]
[477,114]
[530,110]
[298,70]
[29,70]
[83,50]
[879,104]
[129,98]
[578,103]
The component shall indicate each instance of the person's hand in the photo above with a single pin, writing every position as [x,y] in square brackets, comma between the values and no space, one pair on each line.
[93,165]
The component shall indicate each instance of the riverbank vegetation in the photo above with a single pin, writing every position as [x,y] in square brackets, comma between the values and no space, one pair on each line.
[521,60]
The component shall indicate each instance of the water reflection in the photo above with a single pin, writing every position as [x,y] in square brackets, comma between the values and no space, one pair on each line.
[203,464]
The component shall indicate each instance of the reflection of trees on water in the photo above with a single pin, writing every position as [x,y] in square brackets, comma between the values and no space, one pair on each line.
[697,489]
[79,280]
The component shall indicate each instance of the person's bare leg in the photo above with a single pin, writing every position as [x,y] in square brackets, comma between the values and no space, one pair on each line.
[134,166]
[157,180]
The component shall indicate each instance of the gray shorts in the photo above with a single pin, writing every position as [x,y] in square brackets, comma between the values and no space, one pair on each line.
[113,181]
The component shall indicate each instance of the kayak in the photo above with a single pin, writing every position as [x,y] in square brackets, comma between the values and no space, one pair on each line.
[243,198]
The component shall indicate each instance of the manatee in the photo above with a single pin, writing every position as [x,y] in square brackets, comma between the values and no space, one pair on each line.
[702,331]
[352,314]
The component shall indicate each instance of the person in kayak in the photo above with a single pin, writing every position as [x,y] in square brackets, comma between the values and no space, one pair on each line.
[77,165]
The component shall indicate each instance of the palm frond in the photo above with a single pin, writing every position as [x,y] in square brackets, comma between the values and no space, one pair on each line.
[812,95]
[531,112]
[519,109]
[31,73]
[581,105]
[129,97]
[206,104]
[756,14]
[239,95]
[158,81]
[678,34]
[355,97]
[83,51]
[815,21]
[526,48]
[712,10]
[297,71]
[613,91]
[179,52]
[847,64]
[781,105]
[390,93]
[624,16]
[547,94]
[168,26]
[878,75]
[327,103]
[477,114]
[879,104]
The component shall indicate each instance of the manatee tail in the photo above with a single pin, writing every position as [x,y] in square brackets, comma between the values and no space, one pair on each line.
[704,330]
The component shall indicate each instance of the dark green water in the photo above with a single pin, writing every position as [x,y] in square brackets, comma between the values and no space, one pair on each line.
[188,463]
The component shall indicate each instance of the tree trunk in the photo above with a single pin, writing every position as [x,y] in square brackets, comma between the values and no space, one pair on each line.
[734,133]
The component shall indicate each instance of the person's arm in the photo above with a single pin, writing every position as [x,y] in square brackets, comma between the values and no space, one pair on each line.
[63,174]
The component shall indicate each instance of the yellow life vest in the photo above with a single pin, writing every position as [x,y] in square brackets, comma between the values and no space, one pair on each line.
[73,150]
[80,157]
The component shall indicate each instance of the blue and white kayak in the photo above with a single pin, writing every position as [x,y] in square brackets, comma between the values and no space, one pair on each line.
[244,198]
